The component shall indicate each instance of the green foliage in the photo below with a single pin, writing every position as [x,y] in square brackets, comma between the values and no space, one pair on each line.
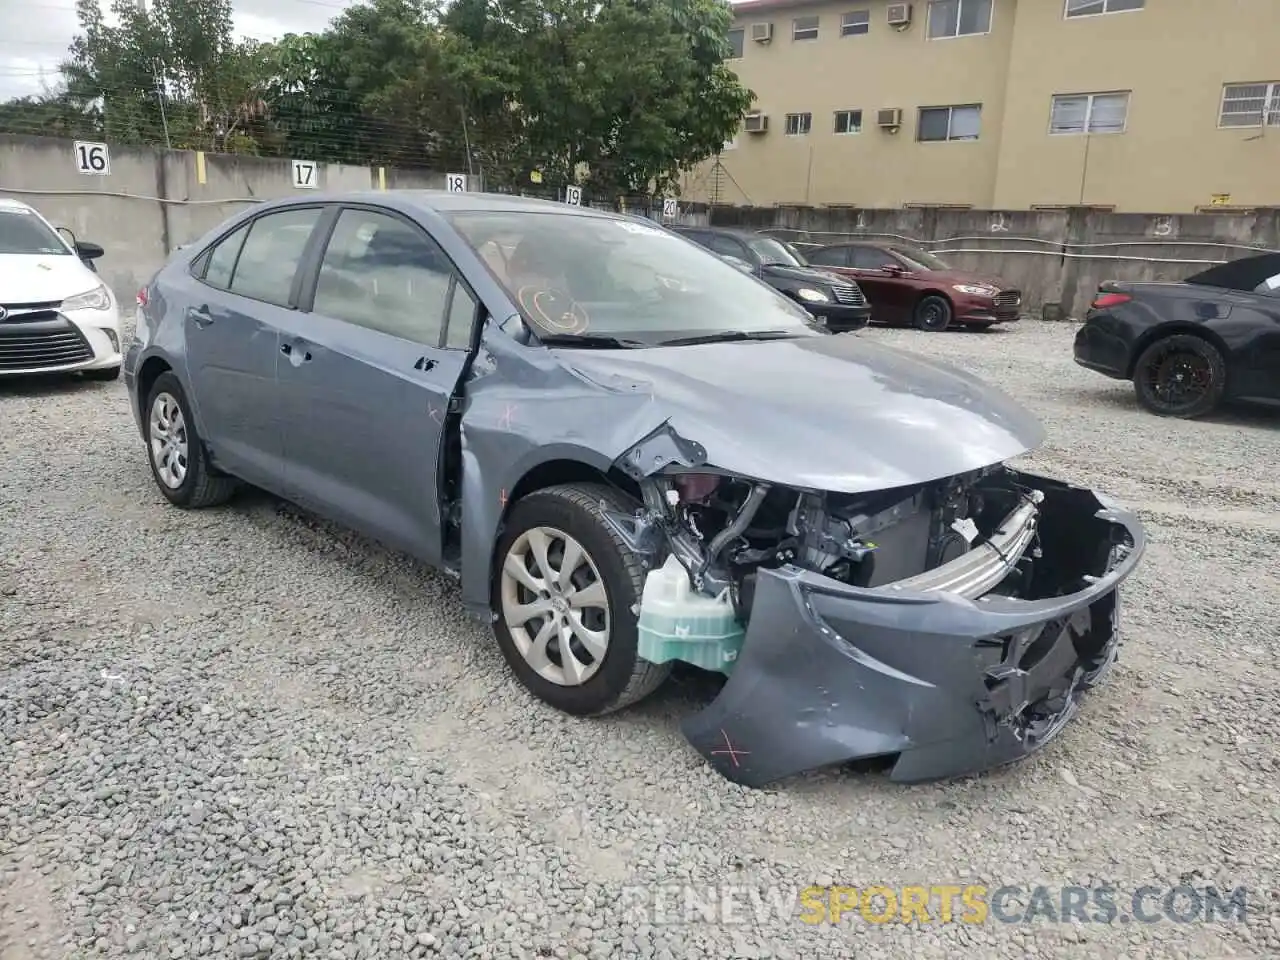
[630,92]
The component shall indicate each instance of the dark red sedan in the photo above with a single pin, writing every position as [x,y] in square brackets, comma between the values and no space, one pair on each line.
[908,285]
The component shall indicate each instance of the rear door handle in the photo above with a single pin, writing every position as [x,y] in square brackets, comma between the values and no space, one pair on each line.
[200,316]
[424,363]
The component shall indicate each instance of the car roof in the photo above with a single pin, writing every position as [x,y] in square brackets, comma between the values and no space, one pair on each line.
[724,231]
[443,201]
[8,204]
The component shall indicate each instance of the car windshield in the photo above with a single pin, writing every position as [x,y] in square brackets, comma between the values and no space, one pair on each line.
[577,275]
[770,250]
[21,231]
[919,259]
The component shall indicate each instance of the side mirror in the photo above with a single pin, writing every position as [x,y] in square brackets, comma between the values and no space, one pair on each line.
[894,269]
[738,262]
[88,251]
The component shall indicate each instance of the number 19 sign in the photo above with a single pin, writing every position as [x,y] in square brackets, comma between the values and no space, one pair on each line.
[92,159]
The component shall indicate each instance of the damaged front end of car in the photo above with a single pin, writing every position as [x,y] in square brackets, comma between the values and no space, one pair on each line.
[944,627]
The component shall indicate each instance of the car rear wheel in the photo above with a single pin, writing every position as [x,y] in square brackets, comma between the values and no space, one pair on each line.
[175,451]
[1180,376]
[933,313]
[566,591]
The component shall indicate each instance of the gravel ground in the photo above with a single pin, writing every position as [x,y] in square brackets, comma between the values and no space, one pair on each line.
[245,733]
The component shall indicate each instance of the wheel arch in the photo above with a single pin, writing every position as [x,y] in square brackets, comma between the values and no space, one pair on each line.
[933,292]
[1173,329]
[148,373]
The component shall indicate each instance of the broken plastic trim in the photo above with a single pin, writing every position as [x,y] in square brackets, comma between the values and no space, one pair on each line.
[982,568]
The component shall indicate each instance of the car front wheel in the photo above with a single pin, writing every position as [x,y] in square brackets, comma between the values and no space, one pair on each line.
[933,314]
[1180,376]
[566,591]
[175,451]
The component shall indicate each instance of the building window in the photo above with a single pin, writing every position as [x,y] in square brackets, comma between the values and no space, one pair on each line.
[855,23]
[958,18]
[1089,113]
[848,121]
[1250,105]
[736,38]
[804,28]
[949,123]
[1091,8]
[799,124]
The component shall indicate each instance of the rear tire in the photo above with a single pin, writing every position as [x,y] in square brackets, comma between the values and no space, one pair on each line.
[557,521]
[1180,376]
[102,375]
[175,451]
[933,314]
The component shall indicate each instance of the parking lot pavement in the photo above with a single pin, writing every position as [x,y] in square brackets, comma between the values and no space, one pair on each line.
[243,732]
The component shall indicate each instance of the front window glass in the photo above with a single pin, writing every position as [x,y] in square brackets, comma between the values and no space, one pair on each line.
[21,231]
[770,250]
[575,274]
[921,259]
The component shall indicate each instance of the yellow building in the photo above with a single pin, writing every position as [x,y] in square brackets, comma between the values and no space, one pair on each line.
[1154,106]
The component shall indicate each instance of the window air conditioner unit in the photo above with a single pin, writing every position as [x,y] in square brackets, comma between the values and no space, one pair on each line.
[755,123]
[762,32]
[889,118]
[899,14]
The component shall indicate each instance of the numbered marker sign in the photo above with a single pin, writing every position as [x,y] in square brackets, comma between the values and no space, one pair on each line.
[573,195]
[305,175]
[92,159]
[670,209]
[456,182]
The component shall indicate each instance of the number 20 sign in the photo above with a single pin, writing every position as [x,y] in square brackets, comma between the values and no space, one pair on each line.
[92,159]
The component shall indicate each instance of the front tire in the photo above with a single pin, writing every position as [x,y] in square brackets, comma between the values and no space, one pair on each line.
[1180,376]
[565,590]
[175,451]
[933,314]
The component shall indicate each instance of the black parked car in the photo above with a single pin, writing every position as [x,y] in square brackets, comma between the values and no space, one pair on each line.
[836,300]
[1189,345]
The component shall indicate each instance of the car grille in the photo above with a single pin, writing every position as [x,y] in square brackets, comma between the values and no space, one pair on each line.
[1008,299]
[33,336]
[849,294]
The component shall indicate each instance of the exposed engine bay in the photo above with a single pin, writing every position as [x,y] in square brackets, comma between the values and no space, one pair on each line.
[972,535]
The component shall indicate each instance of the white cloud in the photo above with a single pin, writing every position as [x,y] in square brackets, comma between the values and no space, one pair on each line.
[35,34]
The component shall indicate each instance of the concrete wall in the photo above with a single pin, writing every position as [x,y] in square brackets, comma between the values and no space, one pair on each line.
[153,200]
[1056,257]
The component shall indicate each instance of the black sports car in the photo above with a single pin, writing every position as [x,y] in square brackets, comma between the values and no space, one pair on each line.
[837,301]
[1189,345]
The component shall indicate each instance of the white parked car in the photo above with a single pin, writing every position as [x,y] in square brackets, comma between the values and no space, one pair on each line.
[56,314]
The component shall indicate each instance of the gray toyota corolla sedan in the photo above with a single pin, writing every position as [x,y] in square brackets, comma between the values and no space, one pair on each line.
[631,453]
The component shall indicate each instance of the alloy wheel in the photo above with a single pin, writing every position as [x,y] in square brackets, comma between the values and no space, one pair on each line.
[555,606]
[1179,379]
[168,440]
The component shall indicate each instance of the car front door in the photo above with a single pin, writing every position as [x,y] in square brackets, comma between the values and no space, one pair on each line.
[234,300]
[889,294]
[368,369]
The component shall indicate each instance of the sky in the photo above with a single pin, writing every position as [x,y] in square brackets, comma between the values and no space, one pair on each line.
[35,34]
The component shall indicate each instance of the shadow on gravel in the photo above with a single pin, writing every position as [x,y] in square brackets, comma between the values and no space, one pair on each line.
[46,386]
[1233,414]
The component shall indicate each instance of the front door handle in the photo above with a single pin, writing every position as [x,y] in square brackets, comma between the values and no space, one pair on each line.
[295,356]
[200,316]
[424,363]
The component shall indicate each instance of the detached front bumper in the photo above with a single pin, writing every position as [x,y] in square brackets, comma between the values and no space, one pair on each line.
[945,686]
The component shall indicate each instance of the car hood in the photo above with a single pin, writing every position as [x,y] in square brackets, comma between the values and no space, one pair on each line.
[836,413]
[35,278]
[951,277]
[812,274]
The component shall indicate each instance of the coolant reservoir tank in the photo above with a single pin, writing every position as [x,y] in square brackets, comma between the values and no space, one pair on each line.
[679,623]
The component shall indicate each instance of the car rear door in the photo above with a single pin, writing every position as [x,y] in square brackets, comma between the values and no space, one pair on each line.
[233,301]
[369,366]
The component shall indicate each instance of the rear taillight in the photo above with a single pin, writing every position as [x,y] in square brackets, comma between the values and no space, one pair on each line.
[142,297]
[1104,301]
